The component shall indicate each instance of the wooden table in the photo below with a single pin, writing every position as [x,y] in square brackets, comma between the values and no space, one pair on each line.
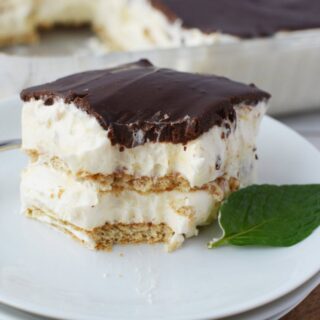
[309,126]
[309,309]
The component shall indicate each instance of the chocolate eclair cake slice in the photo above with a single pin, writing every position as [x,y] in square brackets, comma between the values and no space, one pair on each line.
[136,153]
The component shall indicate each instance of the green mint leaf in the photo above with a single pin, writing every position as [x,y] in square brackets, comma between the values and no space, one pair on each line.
[269,215]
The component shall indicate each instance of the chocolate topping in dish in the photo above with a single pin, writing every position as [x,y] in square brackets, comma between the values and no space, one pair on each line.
[138,102]
[243,18]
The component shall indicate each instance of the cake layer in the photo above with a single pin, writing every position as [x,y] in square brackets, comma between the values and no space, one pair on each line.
[82,145]
[104,237]
[119,181]
[83,205]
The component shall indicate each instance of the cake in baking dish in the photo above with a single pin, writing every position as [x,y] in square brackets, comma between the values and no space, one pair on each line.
[148,24]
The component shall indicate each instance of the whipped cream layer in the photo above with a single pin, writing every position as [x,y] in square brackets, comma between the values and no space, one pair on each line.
[82,204]
[64,131]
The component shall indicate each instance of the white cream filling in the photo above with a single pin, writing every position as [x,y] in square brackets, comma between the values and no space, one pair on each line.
[81,204]
[64,131]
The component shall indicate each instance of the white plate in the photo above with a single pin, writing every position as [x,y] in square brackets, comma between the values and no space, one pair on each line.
[281,306]
[44,272]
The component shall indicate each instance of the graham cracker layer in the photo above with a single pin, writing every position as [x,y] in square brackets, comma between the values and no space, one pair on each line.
[119,181]
[104,237]
[120,233]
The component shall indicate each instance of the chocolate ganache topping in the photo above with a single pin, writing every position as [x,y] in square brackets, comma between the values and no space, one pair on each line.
[243,18]
[138,102]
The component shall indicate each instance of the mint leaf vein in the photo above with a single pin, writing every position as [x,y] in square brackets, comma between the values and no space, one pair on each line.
[269,215]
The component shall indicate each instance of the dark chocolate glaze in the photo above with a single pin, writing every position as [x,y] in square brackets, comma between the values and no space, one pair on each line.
[243,18]
[138,102]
